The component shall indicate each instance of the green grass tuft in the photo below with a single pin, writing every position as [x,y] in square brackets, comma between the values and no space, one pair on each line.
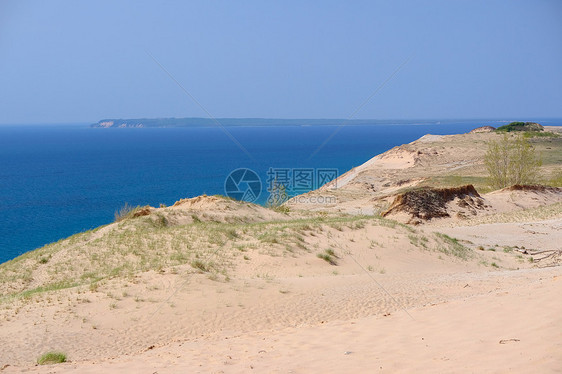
[329,256]
[453,247]
[200,265]
[50,358]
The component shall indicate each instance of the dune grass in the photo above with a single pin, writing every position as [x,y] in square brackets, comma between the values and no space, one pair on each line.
[479,182]
[452,247]
[329,256]
[555,180]
[128,211]
[142,244]
[146,243]
[50,358]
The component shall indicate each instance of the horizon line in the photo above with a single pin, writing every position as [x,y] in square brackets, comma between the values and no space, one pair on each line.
[70,123]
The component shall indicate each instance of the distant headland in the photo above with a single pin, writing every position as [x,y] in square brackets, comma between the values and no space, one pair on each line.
[200,122]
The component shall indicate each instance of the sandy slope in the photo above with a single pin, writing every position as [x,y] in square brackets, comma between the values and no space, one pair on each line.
[432,160]
[212,285]
[515,327]
[304,313]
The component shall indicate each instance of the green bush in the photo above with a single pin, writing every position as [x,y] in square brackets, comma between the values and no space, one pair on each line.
[511,161]
[520,126]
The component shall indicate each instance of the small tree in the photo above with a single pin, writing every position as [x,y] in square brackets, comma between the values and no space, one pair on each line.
[512,161]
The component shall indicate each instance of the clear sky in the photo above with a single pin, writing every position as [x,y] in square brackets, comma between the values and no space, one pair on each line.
[81,61]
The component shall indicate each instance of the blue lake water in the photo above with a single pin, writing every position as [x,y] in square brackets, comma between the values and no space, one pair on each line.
[59,180]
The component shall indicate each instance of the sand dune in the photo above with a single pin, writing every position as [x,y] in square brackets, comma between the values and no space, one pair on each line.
[463,204]
[214,285]
[512,328]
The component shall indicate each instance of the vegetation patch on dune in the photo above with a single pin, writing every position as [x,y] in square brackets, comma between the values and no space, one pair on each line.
[452,247]
[520,126]
[480,183]
[429,203]
[50,358]
[534,187]
[552,211]
[329,256]
[132,246]
[512,161]
[129,211]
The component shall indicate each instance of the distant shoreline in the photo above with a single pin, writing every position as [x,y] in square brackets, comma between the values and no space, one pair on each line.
[261,122]
[230,122]
[171,122]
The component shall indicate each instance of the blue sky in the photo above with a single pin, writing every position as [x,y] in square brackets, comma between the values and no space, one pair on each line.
[71,61]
